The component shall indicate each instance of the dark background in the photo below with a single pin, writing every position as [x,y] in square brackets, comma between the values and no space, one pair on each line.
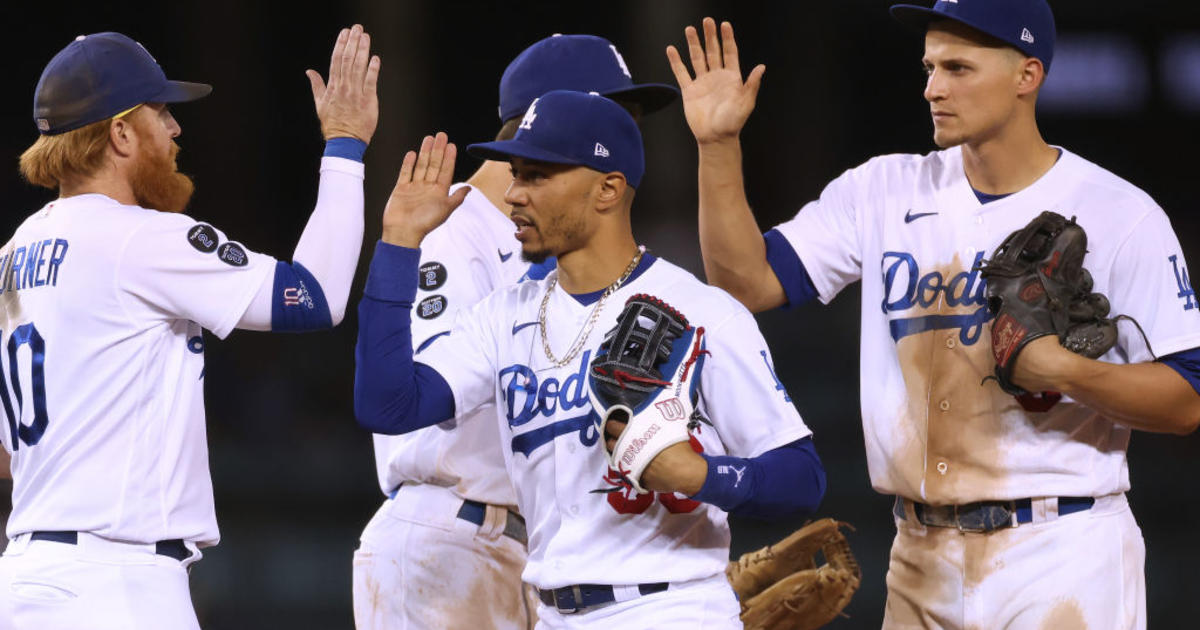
[294,477]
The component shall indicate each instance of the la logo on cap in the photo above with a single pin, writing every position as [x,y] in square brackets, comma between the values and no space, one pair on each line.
[621,61]
[530,116]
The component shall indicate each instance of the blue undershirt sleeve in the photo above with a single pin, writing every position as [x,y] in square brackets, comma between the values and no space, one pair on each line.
[392,394]
[786,481]
[1187,363]
[797,284]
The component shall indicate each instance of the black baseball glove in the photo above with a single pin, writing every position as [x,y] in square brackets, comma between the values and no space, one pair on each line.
[646,374]
[1037,286]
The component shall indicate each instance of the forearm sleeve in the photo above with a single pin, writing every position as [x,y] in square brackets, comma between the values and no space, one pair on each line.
[786,481]
[326,254]
[392,394]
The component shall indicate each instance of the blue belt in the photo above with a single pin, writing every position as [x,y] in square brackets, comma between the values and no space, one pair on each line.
[572,599]
[986,516]
[170,548]
[476,512]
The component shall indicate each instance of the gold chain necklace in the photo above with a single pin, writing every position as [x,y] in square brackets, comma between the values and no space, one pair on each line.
[582,337]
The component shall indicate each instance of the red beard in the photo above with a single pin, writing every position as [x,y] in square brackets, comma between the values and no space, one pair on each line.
[157,184]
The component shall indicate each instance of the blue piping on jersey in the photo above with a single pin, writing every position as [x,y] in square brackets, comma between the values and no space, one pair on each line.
[797,284]
[428,342]
[1187,363]
[592,297]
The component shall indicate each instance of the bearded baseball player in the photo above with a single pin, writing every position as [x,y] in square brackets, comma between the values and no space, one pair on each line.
[450,528]
[106,292]
[985,410]
[629,530]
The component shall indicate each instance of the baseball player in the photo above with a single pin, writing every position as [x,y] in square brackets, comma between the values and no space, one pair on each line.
[1010,512]
[106,292]
[601,554]
[449,528]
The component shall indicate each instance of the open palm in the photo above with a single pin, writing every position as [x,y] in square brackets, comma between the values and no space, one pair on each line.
[420,201]
[716,101]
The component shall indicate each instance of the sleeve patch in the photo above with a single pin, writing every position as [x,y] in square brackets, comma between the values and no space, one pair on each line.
[431,307]
[432,276]
[1186,292]
[203,237]
[233,255]
[299,302]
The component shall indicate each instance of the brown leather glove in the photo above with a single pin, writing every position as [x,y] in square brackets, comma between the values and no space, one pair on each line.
[781,586]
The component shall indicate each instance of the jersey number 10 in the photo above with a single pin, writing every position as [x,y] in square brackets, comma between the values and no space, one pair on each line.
[20,432]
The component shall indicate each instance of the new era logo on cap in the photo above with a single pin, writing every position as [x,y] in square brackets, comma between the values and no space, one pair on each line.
[1013,22]
[575,128]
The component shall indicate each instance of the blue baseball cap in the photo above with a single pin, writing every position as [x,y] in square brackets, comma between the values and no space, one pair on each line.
[1027,25]
[584,63]
[99,76]
[584,129]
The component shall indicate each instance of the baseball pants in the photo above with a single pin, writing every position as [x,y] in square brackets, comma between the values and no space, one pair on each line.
[706,604]
[96,584]
[1080,570]
[420,567]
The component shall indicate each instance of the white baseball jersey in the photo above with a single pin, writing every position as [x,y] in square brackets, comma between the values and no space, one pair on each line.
[103,310]
[462,261]
[911,228]
[547,427]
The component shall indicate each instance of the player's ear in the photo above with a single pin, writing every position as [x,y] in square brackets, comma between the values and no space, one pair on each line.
[611,193]
[1031,76]
[121,137]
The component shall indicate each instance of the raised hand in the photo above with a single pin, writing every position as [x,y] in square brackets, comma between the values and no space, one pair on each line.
[716,102]
[421,201]
[348,106]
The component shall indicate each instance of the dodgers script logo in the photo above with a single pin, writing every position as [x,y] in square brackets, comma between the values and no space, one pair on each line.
[905,288]
[526,398]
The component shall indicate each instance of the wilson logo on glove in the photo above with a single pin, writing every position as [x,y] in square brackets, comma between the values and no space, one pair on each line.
[671,410]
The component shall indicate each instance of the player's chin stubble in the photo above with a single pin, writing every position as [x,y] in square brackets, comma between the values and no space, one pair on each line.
[158,185]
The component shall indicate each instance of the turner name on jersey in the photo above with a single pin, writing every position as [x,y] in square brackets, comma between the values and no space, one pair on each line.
[103,311]
[32,265]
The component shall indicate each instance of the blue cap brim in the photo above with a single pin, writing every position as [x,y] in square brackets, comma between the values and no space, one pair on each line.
[502,150]
[917,17]
[181,92]
[651,96]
